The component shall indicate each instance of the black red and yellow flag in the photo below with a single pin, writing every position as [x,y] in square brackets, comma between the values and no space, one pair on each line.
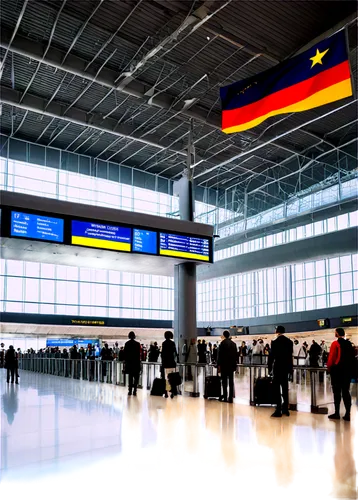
[318,76]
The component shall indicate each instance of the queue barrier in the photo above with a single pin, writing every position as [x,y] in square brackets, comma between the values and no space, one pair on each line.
[192,374]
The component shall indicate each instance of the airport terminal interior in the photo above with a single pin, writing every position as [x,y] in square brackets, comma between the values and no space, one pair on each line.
[178,196]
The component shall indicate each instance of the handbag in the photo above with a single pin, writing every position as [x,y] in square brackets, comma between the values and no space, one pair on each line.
[175,379]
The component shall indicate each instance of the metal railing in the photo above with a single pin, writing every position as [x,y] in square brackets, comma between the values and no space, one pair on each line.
[193,375]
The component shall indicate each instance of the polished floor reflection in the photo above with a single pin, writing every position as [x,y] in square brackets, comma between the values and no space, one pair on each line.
[63,438]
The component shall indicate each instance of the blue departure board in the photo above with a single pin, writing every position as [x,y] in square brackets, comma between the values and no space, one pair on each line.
[39,227]
[178,245]
[145,241]
[99,235]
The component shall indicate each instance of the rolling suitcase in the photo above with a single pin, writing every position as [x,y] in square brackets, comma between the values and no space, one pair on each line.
[263,391]
[158,387]
[212,388]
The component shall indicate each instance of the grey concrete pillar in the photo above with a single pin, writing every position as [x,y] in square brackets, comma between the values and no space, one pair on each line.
[184,305]
[185,275]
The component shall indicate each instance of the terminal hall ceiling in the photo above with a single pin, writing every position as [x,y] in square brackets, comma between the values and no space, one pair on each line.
[121,80]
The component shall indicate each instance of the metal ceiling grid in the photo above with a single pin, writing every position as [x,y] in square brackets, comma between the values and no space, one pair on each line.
[281,27]
[176,70]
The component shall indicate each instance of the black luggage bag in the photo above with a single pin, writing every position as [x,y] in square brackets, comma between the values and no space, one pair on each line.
[175,379]
[212,388]
[158,388]
[263,391]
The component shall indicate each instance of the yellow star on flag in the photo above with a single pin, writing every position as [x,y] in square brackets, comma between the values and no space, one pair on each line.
[317,59]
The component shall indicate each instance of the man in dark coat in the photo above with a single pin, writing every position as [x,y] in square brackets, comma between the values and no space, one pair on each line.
[280,363]
[11,365]
[227,357]
[132,363]
[314,354]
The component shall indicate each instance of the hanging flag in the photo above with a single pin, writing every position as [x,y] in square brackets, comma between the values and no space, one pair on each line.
[318,76]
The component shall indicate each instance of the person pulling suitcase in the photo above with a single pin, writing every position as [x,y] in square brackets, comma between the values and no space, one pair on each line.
[227,357]
[280,364]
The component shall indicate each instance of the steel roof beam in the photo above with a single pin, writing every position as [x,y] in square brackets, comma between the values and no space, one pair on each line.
[301,169]
[75,115]
[76,66]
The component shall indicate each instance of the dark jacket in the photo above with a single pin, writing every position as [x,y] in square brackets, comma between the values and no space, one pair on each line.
[10,359]
[132,356]
[106,354]
[314,354]
[169,354]
[153,354]
[281,356]
[227,355]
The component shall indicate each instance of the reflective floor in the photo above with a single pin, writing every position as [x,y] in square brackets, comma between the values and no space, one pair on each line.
[61,438]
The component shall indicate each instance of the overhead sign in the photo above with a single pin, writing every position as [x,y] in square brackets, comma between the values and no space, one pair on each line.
[103,235]
[145,241]
[69,342]
[97,235]
[38,227]
[88,322]
[178,245]
[60,342]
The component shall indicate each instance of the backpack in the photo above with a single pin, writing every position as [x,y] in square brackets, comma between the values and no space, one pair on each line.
[347,358]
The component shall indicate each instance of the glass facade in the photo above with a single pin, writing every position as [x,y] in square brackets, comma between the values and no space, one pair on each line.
[332,224]
[298,287]
[342,189]
[28,287]
[29,178]
[31,287]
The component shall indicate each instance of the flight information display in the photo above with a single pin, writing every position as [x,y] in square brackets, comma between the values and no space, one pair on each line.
[187,247]
[38,227]
[145,241]
[105,236]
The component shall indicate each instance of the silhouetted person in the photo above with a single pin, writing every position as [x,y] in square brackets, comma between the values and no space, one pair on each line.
[280,363]
[153,353]
[227,357]
[2,355]
[106,355]
[214,355]
[202,352]
[340,365]
[121,354]
[132,365]
[314,354]
[169,357]
[11,364]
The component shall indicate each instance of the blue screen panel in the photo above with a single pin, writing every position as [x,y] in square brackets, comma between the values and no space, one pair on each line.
[145,241]
[99,235]
[39,227]
[187,247]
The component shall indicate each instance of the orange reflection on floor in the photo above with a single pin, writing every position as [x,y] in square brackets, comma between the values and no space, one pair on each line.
[239,437]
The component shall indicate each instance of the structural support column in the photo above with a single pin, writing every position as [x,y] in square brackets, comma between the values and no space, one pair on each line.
[185,328]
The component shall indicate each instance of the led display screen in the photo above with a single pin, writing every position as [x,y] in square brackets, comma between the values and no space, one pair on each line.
[145,241]
[38,227]
[97,235]
[187,247]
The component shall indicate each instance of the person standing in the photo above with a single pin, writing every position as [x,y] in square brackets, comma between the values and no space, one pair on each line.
[314,354]
[106,355]
[10,364]
[340,365]
[227,357]
[169,357]
[132,357]
[202,352]
[2,355]
[280,364]
[153,353]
